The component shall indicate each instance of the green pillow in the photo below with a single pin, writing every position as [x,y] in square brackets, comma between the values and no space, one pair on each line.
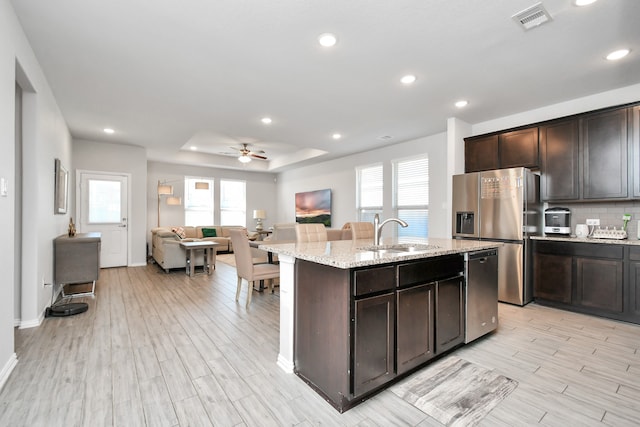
[209,232]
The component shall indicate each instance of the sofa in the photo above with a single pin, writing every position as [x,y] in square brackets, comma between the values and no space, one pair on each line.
[167,252]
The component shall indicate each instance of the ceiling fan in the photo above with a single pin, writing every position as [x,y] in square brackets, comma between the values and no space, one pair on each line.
[246,154]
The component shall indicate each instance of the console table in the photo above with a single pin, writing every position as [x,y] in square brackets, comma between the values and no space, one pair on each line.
[209,249]
[77,261]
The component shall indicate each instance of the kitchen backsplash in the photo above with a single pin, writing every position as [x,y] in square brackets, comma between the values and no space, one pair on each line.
[609,214]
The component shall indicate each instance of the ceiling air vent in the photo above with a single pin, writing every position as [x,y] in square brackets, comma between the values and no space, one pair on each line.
[532,17]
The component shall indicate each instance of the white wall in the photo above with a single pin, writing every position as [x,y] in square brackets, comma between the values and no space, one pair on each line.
[45,137]
[104,157]
[339,175]
[624,95]
[260,187]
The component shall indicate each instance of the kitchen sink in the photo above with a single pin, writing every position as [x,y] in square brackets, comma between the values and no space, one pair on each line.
[399,248]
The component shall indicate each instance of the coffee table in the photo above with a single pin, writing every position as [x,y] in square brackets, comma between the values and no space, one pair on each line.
[209,249]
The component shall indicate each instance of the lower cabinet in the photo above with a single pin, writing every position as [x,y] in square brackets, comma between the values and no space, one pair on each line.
[595,278]
[415,326]
[449,314]
[357,330]
[373,342]
[552,280]
[599,284]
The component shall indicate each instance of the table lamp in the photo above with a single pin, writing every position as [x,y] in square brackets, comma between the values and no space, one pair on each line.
[259,215]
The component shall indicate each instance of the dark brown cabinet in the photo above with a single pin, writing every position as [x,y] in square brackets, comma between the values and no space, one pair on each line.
[373,342]
[552,277]
[603,141]
[449,314]
[517,148]
[633,301]
[595,278]
[358,329]
[559,153]
[634,146]
[599,284]
[481,153]
[415,320]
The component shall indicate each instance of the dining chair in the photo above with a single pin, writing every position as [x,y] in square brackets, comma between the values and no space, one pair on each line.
[311,233]
[361,230]
[245,267]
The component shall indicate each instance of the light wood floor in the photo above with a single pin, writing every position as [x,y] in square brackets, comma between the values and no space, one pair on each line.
[160,349]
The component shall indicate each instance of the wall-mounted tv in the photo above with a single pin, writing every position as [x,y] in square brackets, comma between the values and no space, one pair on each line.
[314,207]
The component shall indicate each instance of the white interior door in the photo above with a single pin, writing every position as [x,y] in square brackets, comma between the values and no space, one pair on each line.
[104,208]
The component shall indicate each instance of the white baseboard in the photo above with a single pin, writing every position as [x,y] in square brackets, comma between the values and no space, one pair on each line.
[33,323]
[7,369]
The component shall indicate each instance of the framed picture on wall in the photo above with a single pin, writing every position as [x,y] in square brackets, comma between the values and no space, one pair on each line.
[61,186]
[314,207]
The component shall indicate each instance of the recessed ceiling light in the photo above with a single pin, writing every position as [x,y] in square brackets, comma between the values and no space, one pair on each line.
[108,130]
[618,54]
[408,79]
[193,148]
[336,136]
[584,2]
[327,40]
[462,103]
[266,120]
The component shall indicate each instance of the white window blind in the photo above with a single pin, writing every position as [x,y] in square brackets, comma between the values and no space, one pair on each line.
[369,192]
[198,203]
[411,196]
[233,203]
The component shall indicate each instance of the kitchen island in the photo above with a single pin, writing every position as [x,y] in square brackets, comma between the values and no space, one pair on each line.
[354,317]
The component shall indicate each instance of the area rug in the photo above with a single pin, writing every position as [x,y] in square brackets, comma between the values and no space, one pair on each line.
[454,391]
[229,259]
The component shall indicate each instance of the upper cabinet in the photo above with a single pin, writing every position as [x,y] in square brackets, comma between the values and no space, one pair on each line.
[559,153]
[604,144]
[505,150]
[588,157]
[481,153]
[518,148]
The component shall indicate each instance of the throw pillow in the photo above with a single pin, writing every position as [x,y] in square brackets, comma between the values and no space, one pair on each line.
[180,233]
[209,232]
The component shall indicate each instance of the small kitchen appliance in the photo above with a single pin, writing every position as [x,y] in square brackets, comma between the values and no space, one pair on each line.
[557,221]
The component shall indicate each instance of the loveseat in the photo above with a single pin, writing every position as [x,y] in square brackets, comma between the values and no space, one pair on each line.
[168,253]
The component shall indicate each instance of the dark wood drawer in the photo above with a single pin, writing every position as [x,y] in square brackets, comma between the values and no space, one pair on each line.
[429,270]
[594,250]
[374,280]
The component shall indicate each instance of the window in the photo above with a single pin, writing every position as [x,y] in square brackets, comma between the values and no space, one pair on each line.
[198,204]
[233,203]
[411,196]
[369,192]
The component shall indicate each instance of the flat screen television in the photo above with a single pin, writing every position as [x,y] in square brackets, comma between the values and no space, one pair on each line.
[314,207]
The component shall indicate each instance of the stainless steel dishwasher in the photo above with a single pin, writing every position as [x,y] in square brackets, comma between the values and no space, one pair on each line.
[481,292]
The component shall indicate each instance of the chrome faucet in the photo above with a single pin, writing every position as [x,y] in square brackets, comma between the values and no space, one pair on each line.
[377,227]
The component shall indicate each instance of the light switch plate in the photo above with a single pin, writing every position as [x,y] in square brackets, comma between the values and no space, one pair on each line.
[3,187]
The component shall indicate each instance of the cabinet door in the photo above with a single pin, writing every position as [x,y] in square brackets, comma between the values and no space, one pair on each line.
[449,314]
[552,277]
[599,284]
[415,318]
[559,150]
[604,142]
[633,310]
[519,148]
[634,133]
[374,341]
[481,153]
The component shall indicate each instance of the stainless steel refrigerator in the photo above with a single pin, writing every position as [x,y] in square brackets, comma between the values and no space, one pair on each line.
[501,205]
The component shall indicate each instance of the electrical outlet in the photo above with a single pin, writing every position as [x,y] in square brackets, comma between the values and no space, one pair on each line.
[593,222]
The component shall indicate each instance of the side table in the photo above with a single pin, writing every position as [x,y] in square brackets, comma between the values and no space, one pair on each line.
[209,249]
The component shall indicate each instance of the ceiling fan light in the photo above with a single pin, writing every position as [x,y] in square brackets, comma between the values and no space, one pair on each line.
[244,159]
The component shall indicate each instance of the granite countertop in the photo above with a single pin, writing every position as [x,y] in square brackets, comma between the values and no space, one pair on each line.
[349,254]
[574,239]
